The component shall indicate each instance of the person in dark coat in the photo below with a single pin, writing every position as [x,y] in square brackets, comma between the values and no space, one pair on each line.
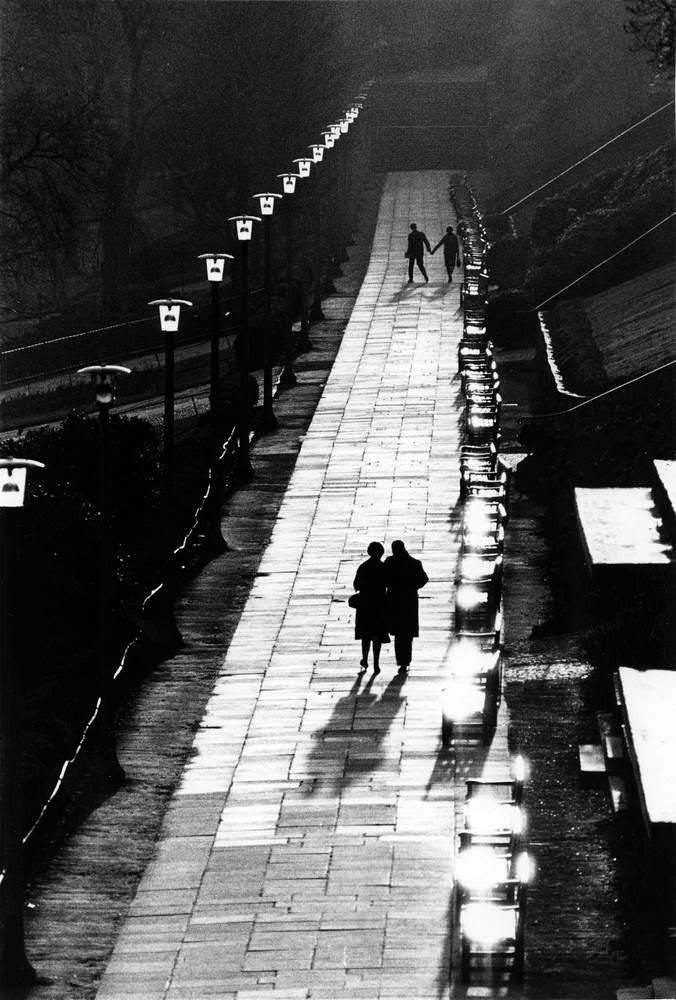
[451,251]
[415,251]
[371,622]
[404,577]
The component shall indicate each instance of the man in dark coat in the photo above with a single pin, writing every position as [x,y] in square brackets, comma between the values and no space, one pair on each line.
[451,251]
[415,251]
[404,576]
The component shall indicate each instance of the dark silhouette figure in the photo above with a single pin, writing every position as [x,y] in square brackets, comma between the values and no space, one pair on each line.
[451,251]
[415,251]
[404,576]
[371,622]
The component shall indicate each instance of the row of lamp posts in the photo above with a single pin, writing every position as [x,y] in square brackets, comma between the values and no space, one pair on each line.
[15,969]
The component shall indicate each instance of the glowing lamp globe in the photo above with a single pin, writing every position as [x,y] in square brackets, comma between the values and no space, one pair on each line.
[103,378]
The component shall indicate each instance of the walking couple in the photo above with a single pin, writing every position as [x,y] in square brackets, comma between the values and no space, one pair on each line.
[387,603]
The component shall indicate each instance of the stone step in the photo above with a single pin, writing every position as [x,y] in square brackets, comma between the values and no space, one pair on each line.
[634,993]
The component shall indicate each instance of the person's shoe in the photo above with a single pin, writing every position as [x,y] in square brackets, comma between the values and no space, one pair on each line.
[376,670]
[402,670]
[410,281]
[427,279]
[450,280]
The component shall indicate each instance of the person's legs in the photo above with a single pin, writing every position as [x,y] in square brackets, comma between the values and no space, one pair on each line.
[376,656]
[448,261]
[410,268]
[405,651]
[419,262]
[365,643]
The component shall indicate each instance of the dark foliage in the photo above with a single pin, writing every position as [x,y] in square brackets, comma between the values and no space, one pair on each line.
[53,569]
[652,25]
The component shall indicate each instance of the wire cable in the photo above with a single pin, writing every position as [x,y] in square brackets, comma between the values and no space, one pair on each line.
[592,399]
[598,149]
[596,266]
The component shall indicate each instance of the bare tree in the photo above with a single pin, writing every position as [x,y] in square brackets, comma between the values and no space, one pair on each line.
[652,25]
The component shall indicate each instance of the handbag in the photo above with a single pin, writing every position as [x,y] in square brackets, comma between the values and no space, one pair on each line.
[354,600]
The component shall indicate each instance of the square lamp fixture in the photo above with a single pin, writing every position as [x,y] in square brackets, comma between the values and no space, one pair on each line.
[215,263]
[304,164]
[266,201]
[289,182]
[13,473]
[103,379]
[170,313]
[244,226]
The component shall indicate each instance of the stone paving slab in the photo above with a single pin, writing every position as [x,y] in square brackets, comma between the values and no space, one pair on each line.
[328,870]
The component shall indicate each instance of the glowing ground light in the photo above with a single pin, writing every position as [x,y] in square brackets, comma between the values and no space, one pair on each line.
[461,699]
[468,597]
[484,814]
[488,923]
[467,660]
[473,567]
[479,867]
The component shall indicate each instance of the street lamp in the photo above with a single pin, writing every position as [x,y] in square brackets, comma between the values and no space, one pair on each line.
[266,201]
[103,379]
[304,165]
[244,225]
[329,138]
[215,266]
[15,969]
[170,313]
[289,187]
[317,151]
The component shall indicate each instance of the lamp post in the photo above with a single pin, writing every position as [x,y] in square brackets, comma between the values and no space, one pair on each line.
[103,379]
[170,313]
[244,232]
[266,202]
[215,265]
[316,313]
[16,971]
[289,187]
[288,375]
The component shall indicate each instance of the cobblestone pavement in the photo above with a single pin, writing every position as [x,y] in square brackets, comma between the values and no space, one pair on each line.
[308,848]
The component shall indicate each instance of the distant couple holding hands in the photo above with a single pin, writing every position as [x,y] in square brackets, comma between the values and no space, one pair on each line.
[415,251]
[387,603]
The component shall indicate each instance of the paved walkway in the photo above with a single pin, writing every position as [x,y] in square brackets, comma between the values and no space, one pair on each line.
[308,849]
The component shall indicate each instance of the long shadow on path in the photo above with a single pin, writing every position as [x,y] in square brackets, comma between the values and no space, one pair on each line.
[351,744]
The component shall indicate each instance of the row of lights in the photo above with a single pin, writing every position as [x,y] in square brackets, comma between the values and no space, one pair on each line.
[493,871]
[15,970]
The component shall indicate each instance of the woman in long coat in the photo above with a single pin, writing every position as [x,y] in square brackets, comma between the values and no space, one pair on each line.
[404,577]
[371,622]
